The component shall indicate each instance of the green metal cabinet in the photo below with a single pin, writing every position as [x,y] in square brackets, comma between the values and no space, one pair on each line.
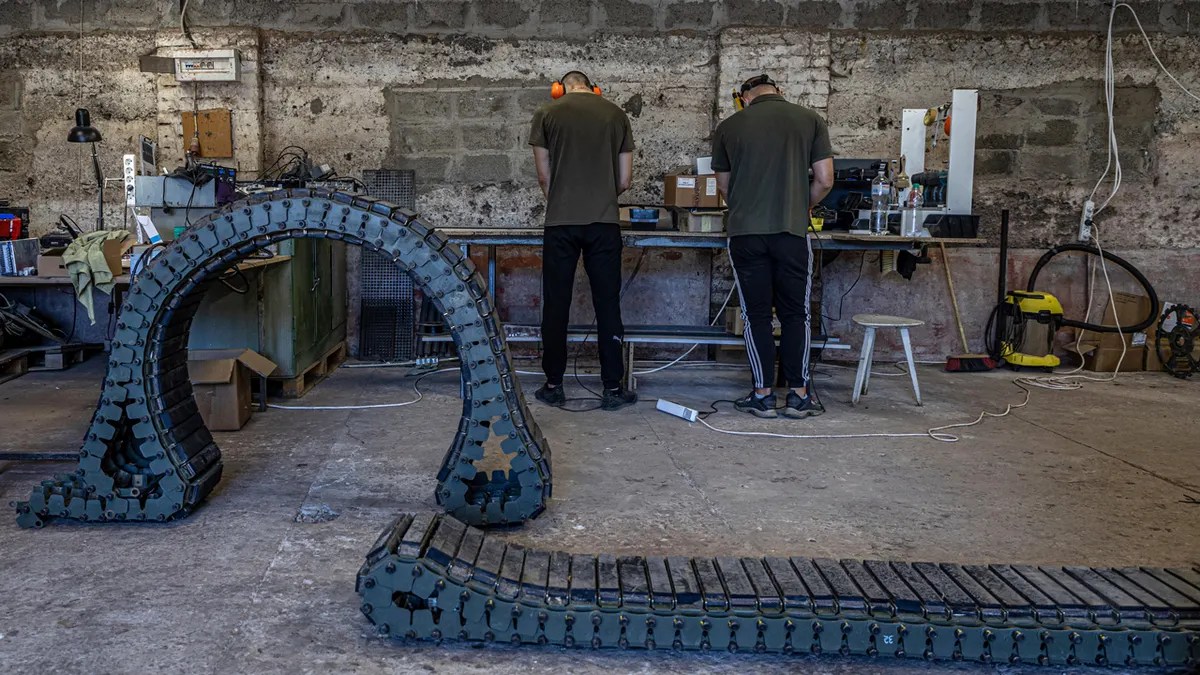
[301,303]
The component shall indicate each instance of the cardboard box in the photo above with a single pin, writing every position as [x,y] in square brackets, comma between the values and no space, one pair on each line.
[1100,359]
[221,382]
[663,222]
[1131,309]
[697,220]
[691,192]
[50,262]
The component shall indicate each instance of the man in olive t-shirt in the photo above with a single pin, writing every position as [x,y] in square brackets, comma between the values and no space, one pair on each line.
[762,157]
[583,151]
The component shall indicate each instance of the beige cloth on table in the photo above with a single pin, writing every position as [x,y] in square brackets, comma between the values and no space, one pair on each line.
[88,268]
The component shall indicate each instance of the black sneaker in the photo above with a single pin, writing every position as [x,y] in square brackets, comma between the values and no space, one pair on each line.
[615,399]
[552,396]
[800,407]
[759,407]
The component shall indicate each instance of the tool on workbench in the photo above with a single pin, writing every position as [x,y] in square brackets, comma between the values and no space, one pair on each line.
[60,238]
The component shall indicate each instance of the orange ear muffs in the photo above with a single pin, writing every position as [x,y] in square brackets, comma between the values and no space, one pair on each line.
[558,90]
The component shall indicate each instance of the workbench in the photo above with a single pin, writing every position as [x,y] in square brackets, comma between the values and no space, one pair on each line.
[823,241]
[491,238]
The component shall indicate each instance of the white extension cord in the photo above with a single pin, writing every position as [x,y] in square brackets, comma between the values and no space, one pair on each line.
[936,433]
[1070,380]
[367,406]
[720,313]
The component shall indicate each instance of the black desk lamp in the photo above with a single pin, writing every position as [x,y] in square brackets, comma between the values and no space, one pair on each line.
[84,132]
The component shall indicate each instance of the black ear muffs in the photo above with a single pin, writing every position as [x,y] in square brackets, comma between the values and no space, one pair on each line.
[757,81]
[558,89]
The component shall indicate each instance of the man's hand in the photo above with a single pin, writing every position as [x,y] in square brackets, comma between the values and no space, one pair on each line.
[541,160]
[625,175]
[723,183]
[822,181]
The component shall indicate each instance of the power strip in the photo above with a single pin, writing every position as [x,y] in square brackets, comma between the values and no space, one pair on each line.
[677,410]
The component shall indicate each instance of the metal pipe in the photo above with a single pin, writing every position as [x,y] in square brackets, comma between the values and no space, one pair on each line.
[1001,287]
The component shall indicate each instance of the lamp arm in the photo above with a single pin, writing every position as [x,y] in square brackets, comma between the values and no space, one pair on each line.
[100,185]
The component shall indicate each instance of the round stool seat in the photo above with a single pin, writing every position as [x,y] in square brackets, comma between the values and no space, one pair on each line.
[885,321]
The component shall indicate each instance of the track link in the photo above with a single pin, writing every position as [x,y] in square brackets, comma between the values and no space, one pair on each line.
[148,455]
[431,577]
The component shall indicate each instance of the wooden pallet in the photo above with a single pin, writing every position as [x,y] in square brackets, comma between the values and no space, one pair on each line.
[298,386]
[13,363]
[58,357]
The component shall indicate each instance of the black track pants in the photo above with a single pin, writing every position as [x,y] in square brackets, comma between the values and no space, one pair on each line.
[775,270]
[600,244]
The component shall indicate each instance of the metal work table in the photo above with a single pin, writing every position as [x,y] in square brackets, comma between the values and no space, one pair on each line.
[824,241]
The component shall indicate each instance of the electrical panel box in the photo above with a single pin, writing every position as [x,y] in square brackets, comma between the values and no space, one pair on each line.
[172,192]
[210,65]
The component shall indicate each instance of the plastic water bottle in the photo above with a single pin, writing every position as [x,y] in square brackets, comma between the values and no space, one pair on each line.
[881,195]
[910,226]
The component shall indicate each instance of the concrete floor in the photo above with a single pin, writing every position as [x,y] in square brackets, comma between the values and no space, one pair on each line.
[1096,476]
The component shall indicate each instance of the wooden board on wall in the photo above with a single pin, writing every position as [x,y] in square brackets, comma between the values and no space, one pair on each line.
[216,132]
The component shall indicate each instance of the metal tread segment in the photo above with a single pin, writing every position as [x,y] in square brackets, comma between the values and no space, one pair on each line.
[633,602]
[147,391]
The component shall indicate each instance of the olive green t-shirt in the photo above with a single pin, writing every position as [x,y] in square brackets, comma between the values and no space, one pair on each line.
[767,149]
[585,134]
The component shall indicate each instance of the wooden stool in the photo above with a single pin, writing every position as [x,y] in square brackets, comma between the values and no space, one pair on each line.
[872,322]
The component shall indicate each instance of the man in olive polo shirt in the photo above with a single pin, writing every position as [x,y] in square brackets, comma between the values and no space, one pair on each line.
[583,151]
[762,156]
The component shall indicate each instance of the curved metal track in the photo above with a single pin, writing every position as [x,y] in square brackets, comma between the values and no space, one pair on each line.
[432,577]
[148,455]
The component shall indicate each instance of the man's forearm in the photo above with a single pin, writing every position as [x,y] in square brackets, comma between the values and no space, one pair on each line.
[817,192]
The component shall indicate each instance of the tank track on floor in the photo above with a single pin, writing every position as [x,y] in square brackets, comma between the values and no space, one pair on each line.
[430,576]
[147,454]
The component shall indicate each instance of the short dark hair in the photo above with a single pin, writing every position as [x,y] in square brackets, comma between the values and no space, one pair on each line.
[575,79]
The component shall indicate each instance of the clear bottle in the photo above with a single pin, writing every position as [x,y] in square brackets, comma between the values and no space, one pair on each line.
[881,196]
[910,225]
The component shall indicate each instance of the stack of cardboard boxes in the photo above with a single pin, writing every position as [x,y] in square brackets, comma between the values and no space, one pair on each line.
[692,195]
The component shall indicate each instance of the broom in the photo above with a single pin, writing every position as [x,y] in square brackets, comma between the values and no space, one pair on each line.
[962,363]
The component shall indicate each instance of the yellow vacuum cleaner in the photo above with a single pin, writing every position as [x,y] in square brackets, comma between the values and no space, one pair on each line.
[1030,320]
[1020,330]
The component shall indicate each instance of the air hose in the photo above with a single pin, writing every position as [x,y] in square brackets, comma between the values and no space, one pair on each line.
[1120,262]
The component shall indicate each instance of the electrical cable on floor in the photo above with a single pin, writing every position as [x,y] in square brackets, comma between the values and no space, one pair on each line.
[368,406]
[575,362]
[720,312]
[938,433]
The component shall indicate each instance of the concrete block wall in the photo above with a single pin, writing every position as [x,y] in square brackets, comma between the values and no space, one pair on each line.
[446,87]
[567,18]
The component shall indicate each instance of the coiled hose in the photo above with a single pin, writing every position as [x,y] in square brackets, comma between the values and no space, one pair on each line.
[1120,262]
[997,332]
